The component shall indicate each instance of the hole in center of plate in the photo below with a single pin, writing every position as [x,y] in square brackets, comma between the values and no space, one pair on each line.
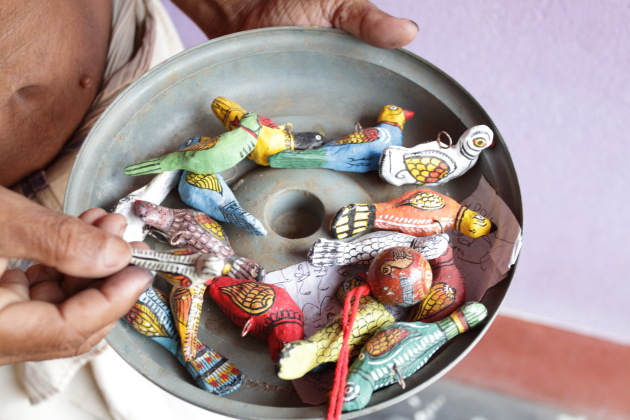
[295,214]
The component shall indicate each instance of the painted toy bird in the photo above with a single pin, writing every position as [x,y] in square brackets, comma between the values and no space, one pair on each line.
[263,310]
[434,163]
[419,212]
[210,154]
[151,317]
[273,138]
[200,235]
[325,253]
[399,350]
[210,194]
[300,357]
[198,231]
[447,292]
[359,151]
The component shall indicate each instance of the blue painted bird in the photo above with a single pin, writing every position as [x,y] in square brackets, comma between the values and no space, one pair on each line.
[210,154]
[359,151]
[210,194]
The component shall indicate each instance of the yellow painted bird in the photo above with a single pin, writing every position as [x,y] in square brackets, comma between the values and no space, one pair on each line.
[273,138]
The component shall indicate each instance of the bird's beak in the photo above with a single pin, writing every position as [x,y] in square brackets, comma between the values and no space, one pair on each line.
[408,114]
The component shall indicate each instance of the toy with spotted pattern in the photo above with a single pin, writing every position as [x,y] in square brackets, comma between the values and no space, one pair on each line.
[447,292]
[325,253]
[434,163]
[210,194]
[210,155]
[324,346]
[399,350]
[359,151]
[151,317]
[264,310]
[196,230]
[273,138]
[419,213]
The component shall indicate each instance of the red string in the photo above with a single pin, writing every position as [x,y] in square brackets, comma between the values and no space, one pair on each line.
[350,309]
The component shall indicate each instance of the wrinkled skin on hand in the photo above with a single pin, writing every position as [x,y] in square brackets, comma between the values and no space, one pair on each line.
[359,17]
[45,314]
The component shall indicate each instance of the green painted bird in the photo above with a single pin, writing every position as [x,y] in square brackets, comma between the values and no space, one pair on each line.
[209,155]
[359,151]
[399,350]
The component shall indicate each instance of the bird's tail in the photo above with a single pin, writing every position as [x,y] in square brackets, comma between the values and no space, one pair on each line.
[296,359]
[352,219]
[151,166]
[233,213]
[325,253]
[213,372]
[305,159]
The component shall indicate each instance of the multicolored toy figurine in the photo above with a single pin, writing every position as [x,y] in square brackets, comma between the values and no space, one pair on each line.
[266,311]
[195,229]
[359,151]
[447,292]
[210,154]
[210,194]
[420,213]
[434,163]
[398,351]
[200,234]
[212,372]
[300,357]
[273,138]
[399,276]
[325,253]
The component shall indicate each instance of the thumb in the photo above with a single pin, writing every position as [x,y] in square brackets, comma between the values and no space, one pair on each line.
[66,243]
[366,21]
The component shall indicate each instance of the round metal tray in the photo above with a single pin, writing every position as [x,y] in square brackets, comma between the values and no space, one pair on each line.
[317,79]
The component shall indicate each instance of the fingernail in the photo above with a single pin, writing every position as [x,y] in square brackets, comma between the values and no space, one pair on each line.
[116,253]
[122,229]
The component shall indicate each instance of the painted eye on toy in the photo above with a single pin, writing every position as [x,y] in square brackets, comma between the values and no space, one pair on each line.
[393,107]
[479,142]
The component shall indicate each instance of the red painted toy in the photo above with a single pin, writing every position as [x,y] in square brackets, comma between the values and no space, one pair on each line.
[264,310]
[400,276]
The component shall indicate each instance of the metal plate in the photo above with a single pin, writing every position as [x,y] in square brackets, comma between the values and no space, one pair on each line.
[318,79]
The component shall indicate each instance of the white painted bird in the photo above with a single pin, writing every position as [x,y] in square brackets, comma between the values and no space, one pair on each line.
[434,163]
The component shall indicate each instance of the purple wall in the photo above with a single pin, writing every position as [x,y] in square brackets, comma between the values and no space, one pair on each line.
[553,76]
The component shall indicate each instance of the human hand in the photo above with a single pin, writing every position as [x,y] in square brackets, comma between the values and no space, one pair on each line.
[45,314]
[359,17]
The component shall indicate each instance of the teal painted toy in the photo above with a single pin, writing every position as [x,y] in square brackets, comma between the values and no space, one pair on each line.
[398,351]
[359,151]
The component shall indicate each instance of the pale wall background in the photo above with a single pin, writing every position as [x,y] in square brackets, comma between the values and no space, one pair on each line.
[553,76]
